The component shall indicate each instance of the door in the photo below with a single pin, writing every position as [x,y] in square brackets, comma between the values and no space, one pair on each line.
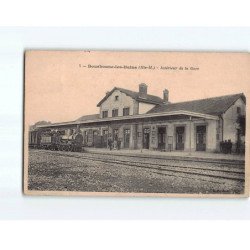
[95,138]
[161,138]
[115,134]
[146,133]
[201,138]
[104,138]
[180,138]
[85,138]
[126,138]
[90,137]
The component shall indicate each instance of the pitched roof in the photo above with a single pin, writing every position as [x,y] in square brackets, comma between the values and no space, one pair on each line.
[211,106]
[88,117]
[135,95]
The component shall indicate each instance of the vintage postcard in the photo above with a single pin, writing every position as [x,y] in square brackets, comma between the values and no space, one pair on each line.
[136,123]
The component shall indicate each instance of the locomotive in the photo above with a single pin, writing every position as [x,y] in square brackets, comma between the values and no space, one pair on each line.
[55,140]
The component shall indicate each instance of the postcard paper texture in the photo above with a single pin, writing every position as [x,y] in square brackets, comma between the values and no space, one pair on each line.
[136,123]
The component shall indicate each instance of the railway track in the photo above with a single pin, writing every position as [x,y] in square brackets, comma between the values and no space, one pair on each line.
[186,159]
[222,167]
[216,174]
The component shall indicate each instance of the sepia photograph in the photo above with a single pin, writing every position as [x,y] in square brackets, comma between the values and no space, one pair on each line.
[124,126]
[136,123]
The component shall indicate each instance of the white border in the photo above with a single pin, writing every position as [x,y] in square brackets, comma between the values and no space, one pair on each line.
[13,43]
[125,13]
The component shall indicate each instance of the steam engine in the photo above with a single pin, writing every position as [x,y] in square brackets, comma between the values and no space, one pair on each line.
[52,140]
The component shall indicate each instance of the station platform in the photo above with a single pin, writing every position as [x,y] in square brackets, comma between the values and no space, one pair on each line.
[168,155]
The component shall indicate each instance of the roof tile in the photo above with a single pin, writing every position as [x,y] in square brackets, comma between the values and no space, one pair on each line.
[211,106]
[134,95]
[88,117]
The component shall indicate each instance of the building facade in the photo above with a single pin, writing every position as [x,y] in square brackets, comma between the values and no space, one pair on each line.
[143,121]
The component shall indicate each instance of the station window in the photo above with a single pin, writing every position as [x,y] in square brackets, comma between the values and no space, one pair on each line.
[126,131]
[86,139]
[114,112]
[238,110]
[104,114]
[105,132]
[125,111]
[116,98]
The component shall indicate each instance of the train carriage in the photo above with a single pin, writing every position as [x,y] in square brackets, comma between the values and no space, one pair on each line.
[34,139]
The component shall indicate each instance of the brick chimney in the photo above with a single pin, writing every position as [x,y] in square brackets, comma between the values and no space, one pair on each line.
[143,88]
[165,95]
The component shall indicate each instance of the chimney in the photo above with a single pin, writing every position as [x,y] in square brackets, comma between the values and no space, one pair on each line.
[165,95]
[143,90]
[107,92]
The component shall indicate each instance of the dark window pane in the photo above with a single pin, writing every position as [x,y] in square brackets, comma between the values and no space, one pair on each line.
[115,112]
[126,111]
[104,114]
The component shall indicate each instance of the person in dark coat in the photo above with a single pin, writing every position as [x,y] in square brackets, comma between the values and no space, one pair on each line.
[230,145]
[224,143]
[221,146]
[226,147]
[110,143]
[119,144]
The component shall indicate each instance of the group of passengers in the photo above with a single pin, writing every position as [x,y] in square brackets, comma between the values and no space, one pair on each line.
[114,143]
[226,147]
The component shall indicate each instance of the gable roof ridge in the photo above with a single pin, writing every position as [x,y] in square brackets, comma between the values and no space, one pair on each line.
[212,105]
[204,99]
[229,105]
[133,94]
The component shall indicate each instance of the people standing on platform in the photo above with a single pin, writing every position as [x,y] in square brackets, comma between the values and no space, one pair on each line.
[119,144]
[115,144]
[221,146]
[230,145]
[226,147]
[109,143]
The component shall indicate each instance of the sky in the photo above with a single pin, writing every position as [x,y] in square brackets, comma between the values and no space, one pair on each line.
[60,86]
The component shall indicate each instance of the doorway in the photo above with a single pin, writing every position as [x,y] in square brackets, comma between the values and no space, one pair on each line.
[180,131]
[96,139]
[162,138]
[146,136]
[201,138]
[104,138]
[126,138]
[115,134]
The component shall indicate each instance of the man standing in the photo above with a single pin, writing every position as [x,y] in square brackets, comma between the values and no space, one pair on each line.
[221,146]
[110,143]
[119,144]
[230,147]
[225,147]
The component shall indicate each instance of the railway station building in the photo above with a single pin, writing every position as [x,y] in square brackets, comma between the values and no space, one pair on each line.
[143,121]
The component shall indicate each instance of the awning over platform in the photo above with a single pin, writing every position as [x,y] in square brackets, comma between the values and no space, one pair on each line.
[183,113]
